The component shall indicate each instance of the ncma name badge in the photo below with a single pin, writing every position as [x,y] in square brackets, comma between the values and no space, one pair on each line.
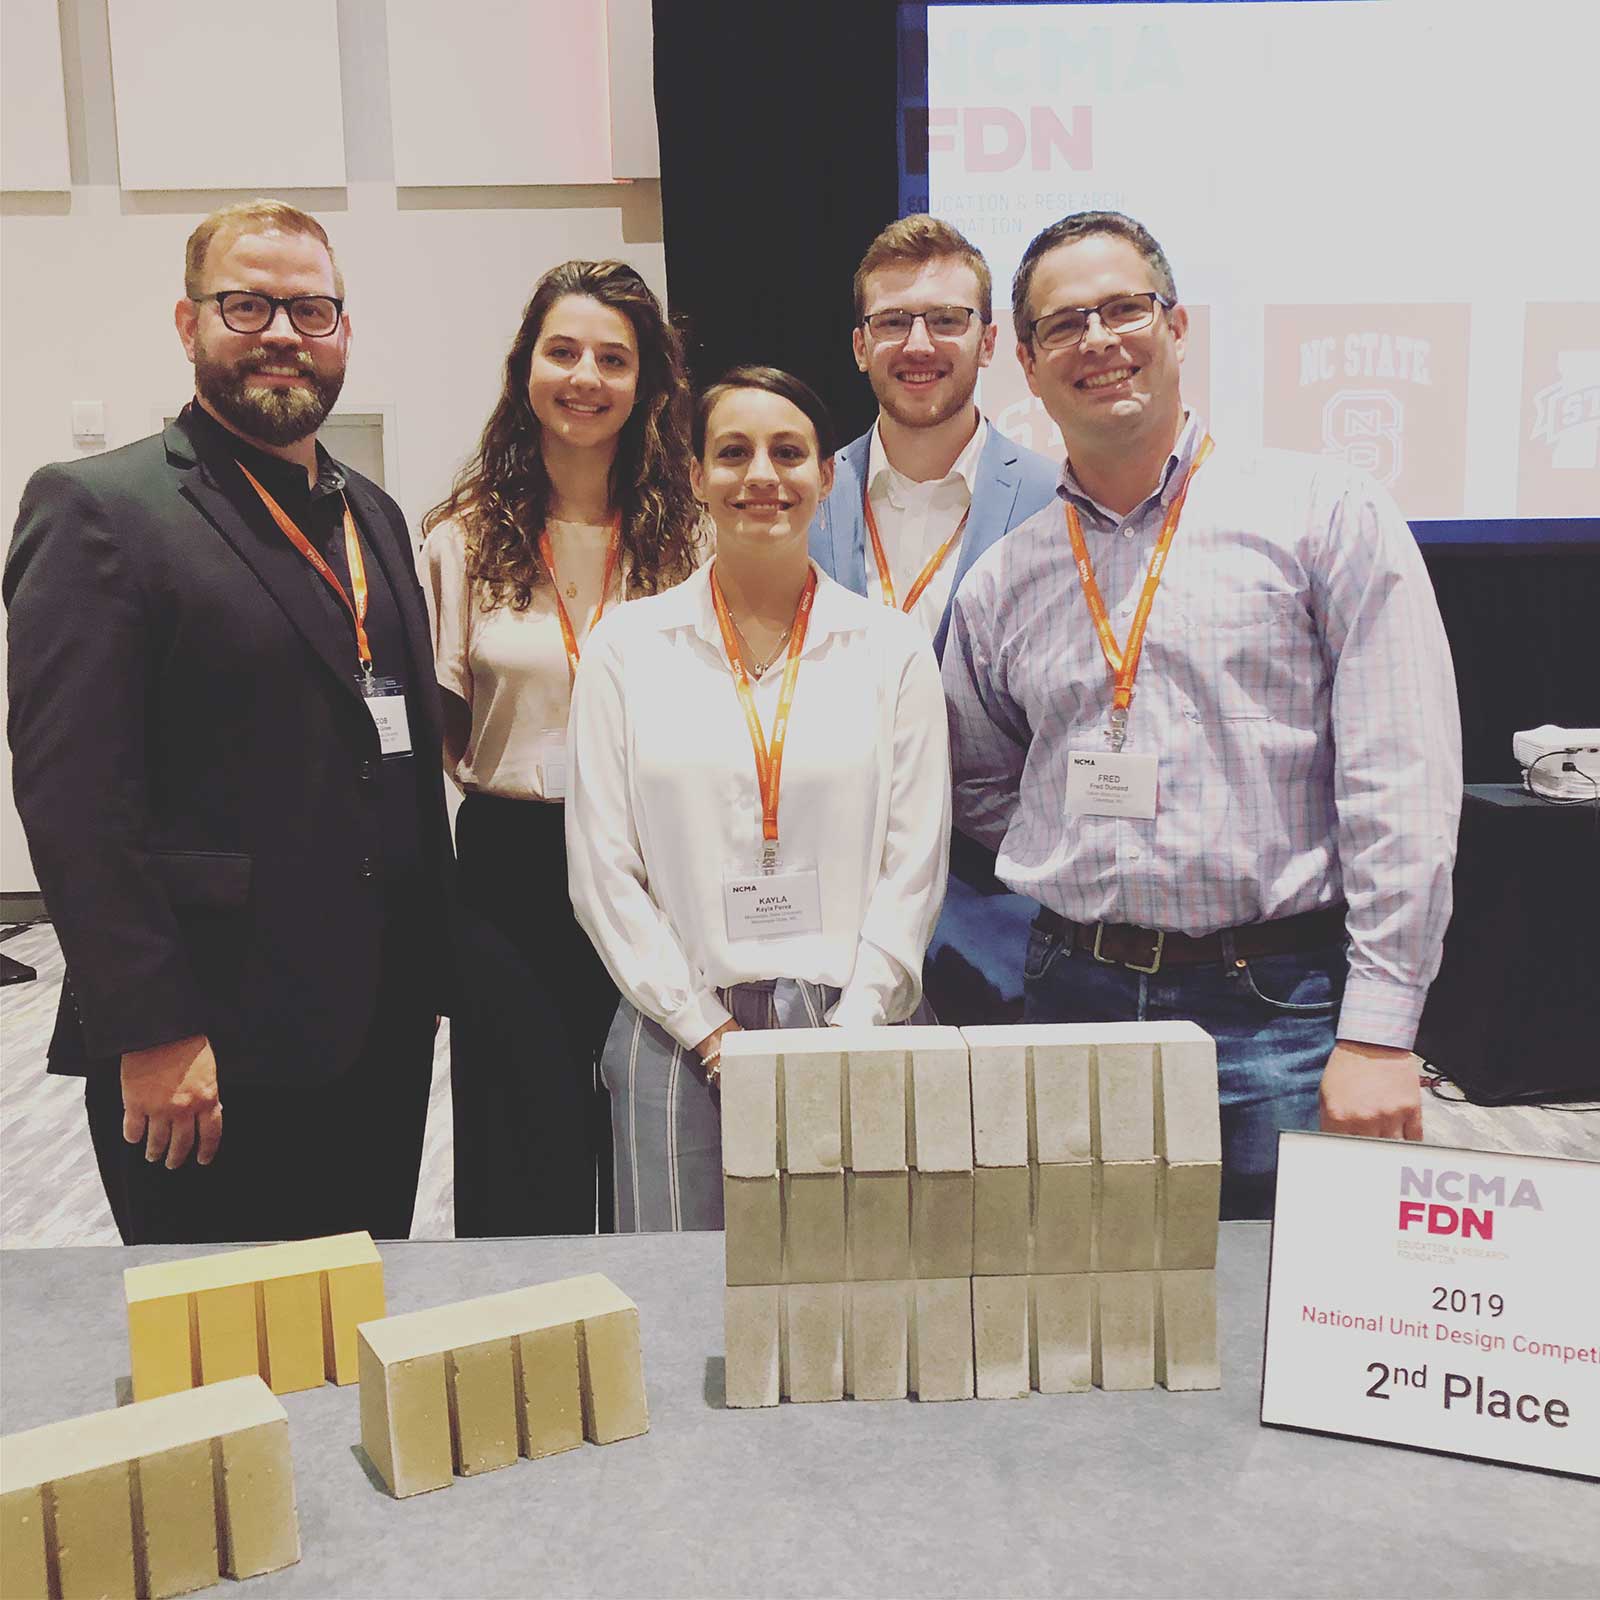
[783,904]
[1111,783]
[385,698]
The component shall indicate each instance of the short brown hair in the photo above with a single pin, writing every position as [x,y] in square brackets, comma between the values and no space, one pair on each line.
[251,216]
[913,240]
[1069,230]
[774,380]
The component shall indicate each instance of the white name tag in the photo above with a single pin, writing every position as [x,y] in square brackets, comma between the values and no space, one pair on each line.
[386,700]
[785,904]
[1107,783]
[550,759]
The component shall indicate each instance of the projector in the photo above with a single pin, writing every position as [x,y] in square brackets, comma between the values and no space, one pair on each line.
[1559,763]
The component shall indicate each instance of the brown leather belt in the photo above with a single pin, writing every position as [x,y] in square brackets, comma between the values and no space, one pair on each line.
[1151,949]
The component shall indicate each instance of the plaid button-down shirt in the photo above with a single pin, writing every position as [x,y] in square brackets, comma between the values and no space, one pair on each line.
[1296,686]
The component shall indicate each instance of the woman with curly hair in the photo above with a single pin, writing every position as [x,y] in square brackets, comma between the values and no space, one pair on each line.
[578,497]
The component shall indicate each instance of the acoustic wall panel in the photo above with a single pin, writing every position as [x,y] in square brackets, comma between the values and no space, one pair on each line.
[630,42]
[33,106]
[227,97]
[499,92]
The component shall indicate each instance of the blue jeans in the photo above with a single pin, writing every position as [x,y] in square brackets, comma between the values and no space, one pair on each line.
[1273,1019]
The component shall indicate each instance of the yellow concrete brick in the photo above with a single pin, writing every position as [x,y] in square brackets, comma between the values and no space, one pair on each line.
[177,1519]
[875,1341]
[551,1396]
[811,1358]
[163,1360]
[1063,1217]
[941,1224]
[939,1339]
[481,1381]
[611,1375]
[254,1265]
[405,1421]
[1186,1330]
[1124,1335]
[351,1295]
[1125,1216]
[254,1481]
[23,1573]
[1061,1333]
[1000,1221]
[227,1334]
[813,1227]
[94,1533]
[1189,1195]
[292,1308]
[877,1226]
[750,1340]
[752,1210]
[1000,1337]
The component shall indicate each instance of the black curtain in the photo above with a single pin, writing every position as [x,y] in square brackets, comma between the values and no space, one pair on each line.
[778,165]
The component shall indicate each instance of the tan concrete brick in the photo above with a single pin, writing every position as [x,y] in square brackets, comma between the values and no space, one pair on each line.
[1186,1331]
[255,1484]
[1000,1337]
[292,1309]
[875,1340]
[752,1210]
[999,1097]
[94,1533]
[940,1135]
[939,1339]
[875,1099]
[163,1361]
[405,1420]
[812,1347]
[1061,1333]
[1125,1216]
[351,1295]
[1124,1099]
[877,1226]
[1063,1217]
[1061,1123]
[813,1227]
[227,1335]
[811,1081]
[749,1105]
[550,1396]
[1188,1197]
[1188,1119]
[480,1380]
[1124,1348]
[941,1224]
[1000,1221]
[176,1521]
[750,1317]
[611,1375]
[22,1544]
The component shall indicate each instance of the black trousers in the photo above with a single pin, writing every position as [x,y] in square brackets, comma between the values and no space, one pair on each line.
[296,1163]
[532,1126]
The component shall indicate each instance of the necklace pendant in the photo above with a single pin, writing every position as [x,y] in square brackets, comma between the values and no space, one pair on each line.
[572,591]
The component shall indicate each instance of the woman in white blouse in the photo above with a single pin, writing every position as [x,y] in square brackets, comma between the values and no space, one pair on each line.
[759,821]
[577,497]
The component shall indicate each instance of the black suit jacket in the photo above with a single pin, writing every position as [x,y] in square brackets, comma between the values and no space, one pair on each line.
[198,775]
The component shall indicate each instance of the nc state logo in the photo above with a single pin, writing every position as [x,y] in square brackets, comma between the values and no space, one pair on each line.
[1566,414]
[1366,428]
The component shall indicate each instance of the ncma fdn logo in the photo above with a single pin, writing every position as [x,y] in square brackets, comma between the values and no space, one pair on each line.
[1460,1203]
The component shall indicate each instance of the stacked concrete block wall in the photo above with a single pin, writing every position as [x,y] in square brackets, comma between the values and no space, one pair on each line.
[158,1498]
[468,1387]
[286,1312]
[950,1213]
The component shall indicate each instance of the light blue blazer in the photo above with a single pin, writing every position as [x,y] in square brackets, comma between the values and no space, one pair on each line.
[973,970]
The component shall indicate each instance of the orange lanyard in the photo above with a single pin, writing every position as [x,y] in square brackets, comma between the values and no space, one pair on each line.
[925,577]
[1124,662]
[769,756]
[352,554]
[568,637]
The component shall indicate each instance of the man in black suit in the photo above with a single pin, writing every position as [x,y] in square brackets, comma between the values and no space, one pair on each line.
[225,745]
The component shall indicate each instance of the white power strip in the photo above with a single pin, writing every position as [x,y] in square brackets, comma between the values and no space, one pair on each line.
[1559,763]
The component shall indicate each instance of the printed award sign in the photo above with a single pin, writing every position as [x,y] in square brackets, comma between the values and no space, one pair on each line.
[1438,1298]
[1559,465]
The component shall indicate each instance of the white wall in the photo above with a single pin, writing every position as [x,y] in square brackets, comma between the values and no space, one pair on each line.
[407,256]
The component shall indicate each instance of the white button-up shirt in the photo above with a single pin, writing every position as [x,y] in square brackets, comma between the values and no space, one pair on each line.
[664,804]
[1296,688]
[914,519]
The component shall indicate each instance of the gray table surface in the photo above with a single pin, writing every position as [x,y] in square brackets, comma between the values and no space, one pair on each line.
[1094,1494]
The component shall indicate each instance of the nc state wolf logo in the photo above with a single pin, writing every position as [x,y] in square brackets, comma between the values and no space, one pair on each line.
[1365,427]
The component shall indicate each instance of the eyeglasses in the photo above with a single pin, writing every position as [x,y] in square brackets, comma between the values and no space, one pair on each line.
[942,322]
[313,316]
[1122,313]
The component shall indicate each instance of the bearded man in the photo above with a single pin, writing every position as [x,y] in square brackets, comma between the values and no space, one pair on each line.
[225,743]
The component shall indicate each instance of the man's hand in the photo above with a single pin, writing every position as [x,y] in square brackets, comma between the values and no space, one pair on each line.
[169,1100]
[1371,1089]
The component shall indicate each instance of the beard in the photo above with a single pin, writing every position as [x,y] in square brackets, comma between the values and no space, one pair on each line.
[272,415]
[911,412]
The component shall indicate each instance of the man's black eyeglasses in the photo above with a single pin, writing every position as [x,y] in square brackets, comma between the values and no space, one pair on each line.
[1122,313]
[313,316]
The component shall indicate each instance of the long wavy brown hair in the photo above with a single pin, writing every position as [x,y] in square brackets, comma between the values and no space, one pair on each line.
[501,497]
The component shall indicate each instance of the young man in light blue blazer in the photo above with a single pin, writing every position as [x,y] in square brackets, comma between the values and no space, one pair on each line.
[916,500]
